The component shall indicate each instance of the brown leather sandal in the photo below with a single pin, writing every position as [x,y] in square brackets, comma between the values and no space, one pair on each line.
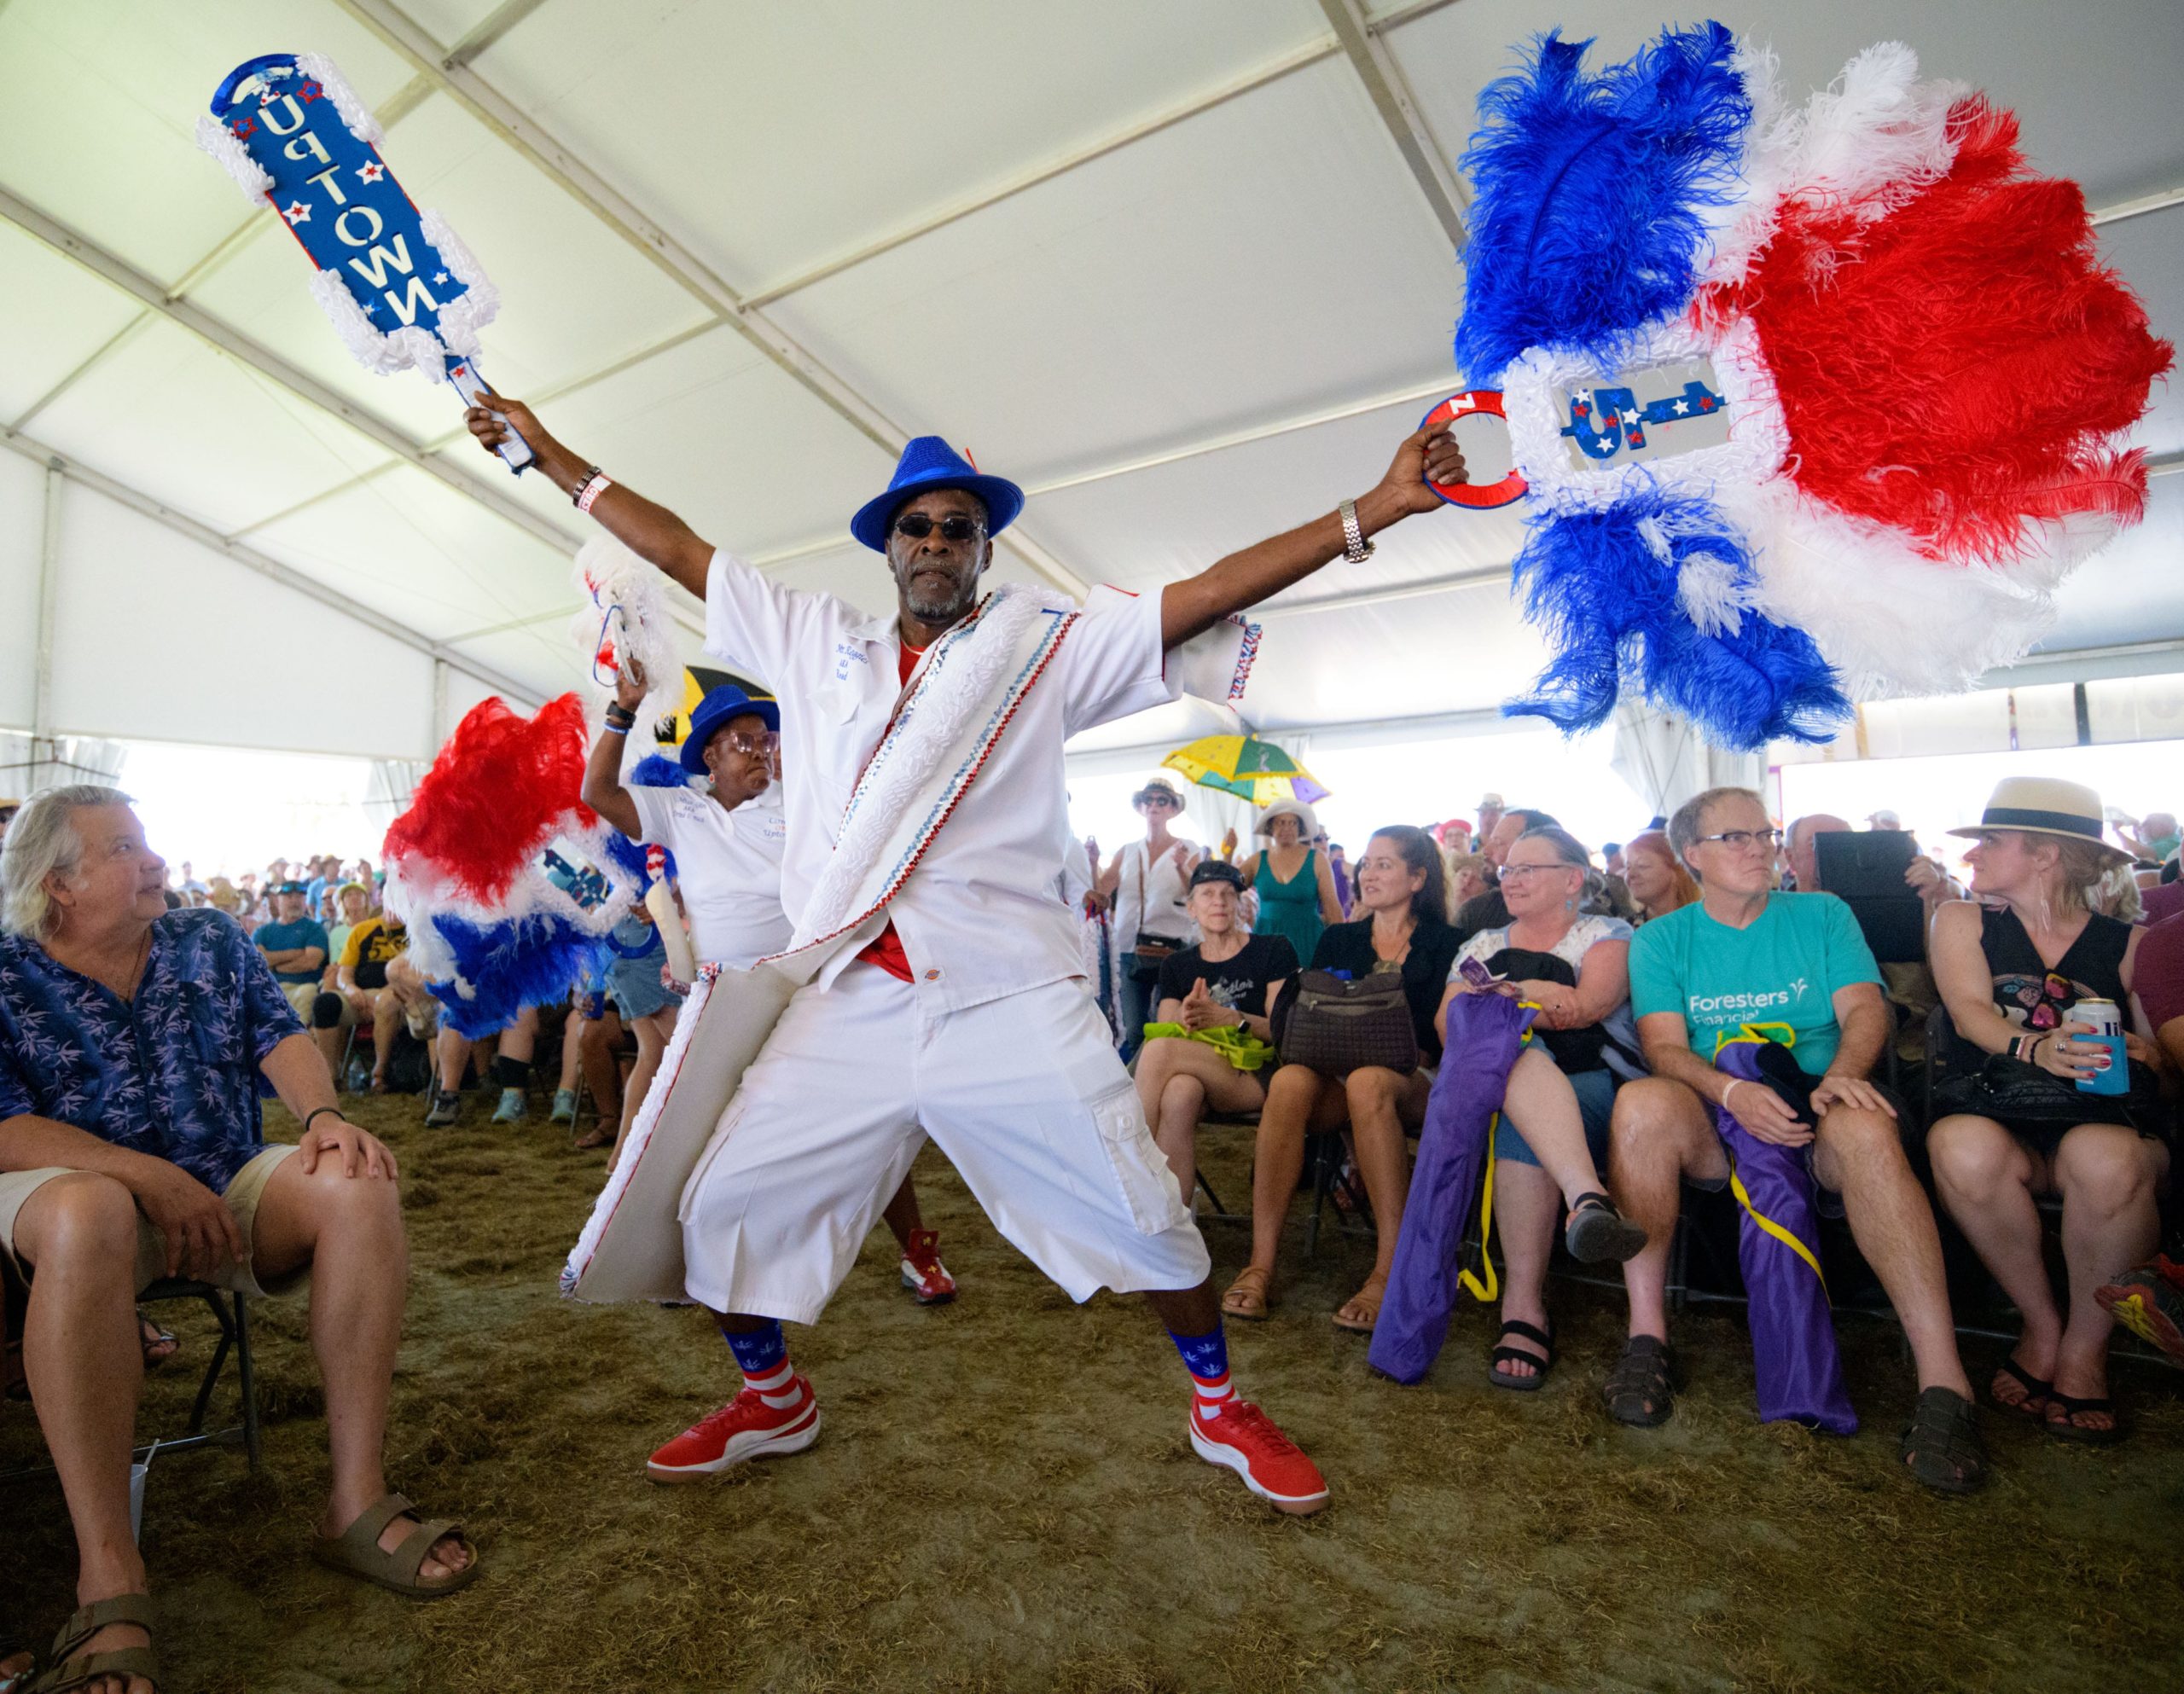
[1246,1297]
[74,1668]
[356,1552]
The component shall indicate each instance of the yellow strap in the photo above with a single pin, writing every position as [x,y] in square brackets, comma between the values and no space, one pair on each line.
[1754,1033]
[1490,1292]
[1774,1229]
[1487,1292]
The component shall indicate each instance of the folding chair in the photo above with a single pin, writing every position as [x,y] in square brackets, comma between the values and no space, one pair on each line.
[232,1313]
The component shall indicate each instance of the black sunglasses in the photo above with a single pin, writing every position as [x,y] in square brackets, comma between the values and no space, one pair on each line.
[957,527]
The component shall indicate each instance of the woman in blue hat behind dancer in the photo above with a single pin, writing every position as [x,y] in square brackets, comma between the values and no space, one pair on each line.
[927,819]
[728,852]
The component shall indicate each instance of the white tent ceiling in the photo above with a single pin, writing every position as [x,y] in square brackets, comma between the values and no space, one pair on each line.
[1185,271]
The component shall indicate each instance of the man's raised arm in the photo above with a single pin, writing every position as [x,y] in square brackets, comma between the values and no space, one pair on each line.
[1246,579]
[652,532]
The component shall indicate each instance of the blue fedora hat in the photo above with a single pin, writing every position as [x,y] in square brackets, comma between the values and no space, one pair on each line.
[929,464]
[726,702]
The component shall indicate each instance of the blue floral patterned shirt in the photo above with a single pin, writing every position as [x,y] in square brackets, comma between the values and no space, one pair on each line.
[175,1073]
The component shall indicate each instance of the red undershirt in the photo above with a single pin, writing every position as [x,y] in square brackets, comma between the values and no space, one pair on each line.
[886,952]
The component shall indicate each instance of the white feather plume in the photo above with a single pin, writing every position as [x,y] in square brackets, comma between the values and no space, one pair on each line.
[608,575]
[462,318]
[409,347]
[354,114]
[219,140]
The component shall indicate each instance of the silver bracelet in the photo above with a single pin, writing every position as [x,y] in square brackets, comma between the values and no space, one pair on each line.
[1355,548]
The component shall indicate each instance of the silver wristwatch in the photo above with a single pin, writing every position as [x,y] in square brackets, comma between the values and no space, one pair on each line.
[1355,548]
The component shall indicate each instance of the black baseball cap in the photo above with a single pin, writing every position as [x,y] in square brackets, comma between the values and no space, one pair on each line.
[1217,870]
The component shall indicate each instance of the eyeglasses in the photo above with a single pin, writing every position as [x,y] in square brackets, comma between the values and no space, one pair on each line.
[1736,840]
[1524,873]
[743,741]
[917,525]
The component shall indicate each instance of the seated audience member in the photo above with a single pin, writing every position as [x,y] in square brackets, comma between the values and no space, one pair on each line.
[1227,982]
[2013,1123]
[295,946]
[1796,964]
[1659,885]
[514,1047]
[1907,984]
[1293,879]
[1489,816]
[352,904]
[2154,838]
[1402,932]
[374,985]
[1469,875]
[132,1044]
[1486,911]
[1550,1138]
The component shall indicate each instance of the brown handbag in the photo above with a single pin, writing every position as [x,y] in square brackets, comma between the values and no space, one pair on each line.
[1337,1024]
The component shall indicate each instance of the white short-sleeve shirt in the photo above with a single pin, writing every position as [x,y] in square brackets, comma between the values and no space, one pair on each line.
[981,916]
[729,867]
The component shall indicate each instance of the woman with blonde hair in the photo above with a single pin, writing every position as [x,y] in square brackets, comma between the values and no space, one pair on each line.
[2021,1117]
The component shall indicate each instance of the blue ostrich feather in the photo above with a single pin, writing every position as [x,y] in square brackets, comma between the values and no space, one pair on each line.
[654,770]
[1610,610]
[528,960]
[1587,220]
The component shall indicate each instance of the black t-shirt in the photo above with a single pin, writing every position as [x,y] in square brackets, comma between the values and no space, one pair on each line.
[1239,983]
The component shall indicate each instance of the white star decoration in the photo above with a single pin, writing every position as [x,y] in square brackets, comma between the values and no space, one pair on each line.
[370,172]
[1683,405]
[440,277]
[296,213]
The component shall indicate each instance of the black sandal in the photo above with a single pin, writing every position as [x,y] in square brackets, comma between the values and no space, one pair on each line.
[1640,1390]
[1505,1355]
[2034,1405]
[1598,1234]
[1942,1444]
[2067,1427]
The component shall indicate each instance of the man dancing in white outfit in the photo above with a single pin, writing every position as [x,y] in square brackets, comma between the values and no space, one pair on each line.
[953,1005]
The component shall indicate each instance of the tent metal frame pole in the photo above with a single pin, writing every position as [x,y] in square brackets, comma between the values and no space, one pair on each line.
[1312,53]
[1383,79]
[560,163]
[59,466]
[125,276]
[48,603]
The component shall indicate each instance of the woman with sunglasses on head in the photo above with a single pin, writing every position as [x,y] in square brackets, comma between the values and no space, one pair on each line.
[1550,1140]
[2013,964]
[727,839]
[1147,885]
[1402,929]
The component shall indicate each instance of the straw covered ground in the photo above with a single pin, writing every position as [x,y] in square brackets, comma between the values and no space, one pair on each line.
[1003,1498]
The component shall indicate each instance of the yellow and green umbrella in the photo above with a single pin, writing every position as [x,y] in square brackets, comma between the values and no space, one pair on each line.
[1243,765]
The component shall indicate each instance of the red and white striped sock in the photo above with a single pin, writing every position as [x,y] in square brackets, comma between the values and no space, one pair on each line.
[1209,1394]
[778,1387]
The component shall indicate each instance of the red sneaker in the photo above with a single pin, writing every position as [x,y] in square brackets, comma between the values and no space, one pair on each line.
[923,1273]
[745,1428]
[1274,1467]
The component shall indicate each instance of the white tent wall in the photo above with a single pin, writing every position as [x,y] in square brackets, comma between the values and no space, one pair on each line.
[158,638]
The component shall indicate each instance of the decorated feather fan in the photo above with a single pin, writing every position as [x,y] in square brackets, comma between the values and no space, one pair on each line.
[1813,406]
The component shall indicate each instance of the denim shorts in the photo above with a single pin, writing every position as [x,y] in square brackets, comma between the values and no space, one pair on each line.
[1595,1091]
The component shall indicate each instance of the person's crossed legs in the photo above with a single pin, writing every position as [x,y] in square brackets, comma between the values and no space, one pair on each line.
[79,1234]
[1178,1082]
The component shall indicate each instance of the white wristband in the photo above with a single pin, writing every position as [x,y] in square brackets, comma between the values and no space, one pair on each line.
[1727,1091]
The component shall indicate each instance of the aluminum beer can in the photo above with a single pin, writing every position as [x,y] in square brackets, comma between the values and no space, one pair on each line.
[2102,1016]
[2105,1019]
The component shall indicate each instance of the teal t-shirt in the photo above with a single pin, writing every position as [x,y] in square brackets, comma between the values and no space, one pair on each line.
[304,933]
[1785,969]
